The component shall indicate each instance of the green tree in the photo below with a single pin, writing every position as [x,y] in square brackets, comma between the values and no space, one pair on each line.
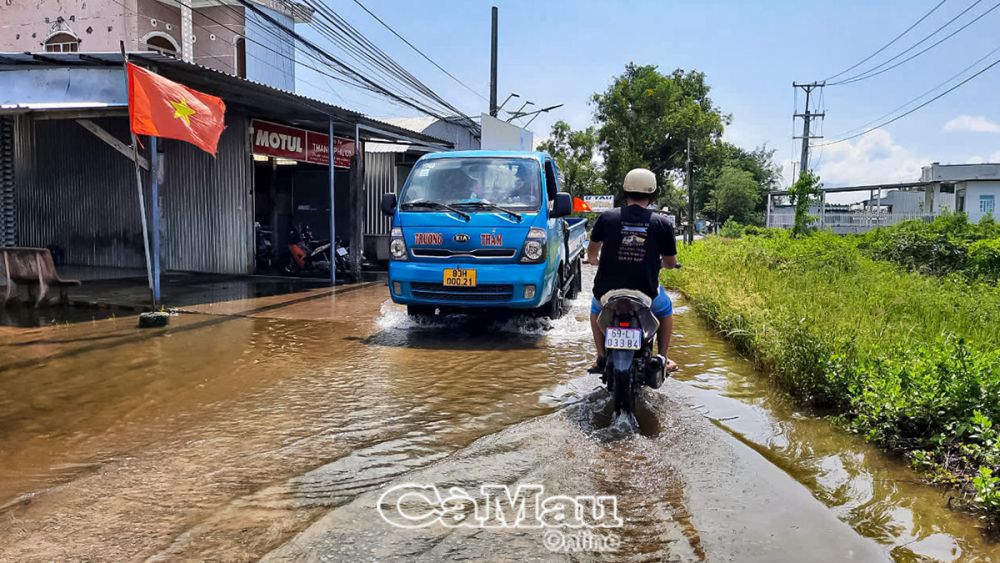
[645,119]
[759,163]
[736,196]
[574,154]
[803,194]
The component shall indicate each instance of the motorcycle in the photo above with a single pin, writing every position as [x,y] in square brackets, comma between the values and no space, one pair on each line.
[265,251]
[305,253]
[629,332]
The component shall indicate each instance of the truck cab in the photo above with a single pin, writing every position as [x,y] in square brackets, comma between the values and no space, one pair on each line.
[475,230]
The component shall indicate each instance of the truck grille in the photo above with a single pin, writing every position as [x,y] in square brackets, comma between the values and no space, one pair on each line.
[474,253]
[483,292]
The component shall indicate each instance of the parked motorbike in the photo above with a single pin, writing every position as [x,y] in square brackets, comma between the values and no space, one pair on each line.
[265,250]
[630,329]
[305,253]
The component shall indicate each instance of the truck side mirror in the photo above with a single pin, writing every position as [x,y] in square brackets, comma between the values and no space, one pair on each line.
[388,204]
[563,205]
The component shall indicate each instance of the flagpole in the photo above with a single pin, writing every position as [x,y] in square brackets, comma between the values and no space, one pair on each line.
[138,185]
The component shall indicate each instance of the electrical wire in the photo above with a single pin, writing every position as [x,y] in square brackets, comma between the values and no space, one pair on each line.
[875,71]
[921,96]
[887,45]
[335,28]
[928,102]
[337,63]
[272,33]
[422,54]
[339,31]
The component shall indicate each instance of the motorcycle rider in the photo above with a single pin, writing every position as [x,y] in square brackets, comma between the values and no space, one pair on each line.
[629,245]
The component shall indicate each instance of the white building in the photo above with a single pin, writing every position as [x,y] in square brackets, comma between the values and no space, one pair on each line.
[973,189]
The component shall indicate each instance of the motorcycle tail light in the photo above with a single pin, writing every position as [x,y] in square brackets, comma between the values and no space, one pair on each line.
[625,324]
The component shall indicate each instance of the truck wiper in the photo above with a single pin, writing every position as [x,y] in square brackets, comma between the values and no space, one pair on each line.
[438,205]
[489,205]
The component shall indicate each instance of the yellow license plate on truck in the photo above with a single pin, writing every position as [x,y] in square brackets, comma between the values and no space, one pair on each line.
[454,277]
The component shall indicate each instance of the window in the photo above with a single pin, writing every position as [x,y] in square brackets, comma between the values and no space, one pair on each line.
[986,204]
[161,45]
[62,43]
[467,182]
[241,58]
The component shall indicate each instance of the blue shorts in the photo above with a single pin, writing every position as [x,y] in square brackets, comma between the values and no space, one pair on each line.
[662,306]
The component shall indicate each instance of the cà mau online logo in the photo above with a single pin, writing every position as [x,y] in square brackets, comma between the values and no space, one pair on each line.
[415,505]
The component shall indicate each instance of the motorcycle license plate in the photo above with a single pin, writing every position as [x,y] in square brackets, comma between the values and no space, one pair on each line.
[622,338]
[454,277]
[341,251]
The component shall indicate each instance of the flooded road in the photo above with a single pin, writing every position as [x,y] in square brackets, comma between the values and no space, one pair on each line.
[273,433]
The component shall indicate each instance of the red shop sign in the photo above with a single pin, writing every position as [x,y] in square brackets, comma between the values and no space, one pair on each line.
[282,141]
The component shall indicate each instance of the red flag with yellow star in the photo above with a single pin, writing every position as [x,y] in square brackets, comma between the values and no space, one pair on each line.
[162,108]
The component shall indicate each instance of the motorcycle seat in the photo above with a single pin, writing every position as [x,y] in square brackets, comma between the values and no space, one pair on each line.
[633,294]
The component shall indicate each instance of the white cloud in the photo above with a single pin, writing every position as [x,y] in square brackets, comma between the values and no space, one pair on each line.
[995,157]
[872,159]
[971,124]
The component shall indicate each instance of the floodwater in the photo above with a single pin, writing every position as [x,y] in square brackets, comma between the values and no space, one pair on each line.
[275,435]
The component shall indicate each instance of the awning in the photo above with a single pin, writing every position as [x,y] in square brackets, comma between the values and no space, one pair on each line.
[47,82]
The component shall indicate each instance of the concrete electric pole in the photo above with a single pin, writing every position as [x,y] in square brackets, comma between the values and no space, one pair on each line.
[493,66]
[690,183]
[807,118]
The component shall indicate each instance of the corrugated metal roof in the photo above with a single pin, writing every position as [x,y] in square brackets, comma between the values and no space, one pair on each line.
[255,96]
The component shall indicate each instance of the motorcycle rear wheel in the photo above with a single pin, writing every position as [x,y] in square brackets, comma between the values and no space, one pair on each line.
[624,394]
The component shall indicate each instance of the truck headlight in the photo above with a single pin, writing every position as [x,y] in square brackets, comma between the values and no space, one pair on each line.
[397,246]
[534,250]
[534,246]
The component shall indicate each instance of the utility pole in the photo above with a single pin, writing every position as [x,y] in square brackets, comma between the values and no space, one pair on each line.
[807,118]
[493,66]
[690,183]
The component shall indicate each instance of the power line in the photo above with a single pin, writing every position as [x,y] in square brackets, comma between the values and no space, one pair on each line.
[898,117]
[345,34]
[337,62]
[421,53]
[922,51]
[890,43]
[921,96]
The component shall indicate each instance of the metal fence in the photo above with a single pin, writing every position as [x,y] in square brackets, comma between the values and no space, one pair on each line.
[850,222]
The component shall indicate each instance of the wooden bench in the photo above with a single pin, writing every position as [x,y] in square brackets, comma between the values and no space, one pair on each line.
[31,267]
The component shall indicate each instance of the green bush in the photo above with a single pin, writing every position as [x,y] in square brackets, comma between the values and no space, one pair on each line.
[984,259]
[731,229]
[941,247]
[909,361]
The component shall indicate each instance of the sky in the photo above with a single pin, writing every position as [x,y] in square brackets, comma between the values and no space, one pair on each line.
[558,51]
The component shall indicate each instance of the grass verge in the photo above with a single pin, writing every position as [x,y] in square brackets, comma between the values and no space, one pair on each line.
[912,362]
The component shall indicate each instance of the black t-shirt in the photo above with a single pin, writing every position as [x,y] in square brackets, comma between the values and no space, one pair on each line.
[634,239]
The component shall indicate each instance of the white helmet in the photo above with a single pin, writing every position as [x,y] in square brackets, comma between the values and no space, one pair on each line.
[640,181]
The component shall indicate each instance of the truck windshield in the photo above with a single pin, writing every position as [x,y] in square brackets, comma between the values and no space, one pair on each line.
[512,183]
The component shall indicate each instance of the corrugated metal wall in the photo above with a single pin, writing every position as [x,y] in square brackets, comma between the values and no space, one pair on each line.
[8,211]
[75,191]
[207,206]
[380,178]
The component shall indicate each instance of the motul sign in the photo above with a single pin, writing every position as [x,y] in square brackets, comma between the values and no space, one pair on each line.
[282,141]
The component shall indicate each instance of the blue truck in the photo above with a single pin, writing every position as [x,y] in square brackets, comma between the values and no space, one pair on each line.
[478,230]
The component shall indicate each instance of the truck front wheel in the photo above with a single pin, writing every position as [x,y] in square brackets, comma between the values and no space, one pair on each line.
[420,311]
[557,305]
